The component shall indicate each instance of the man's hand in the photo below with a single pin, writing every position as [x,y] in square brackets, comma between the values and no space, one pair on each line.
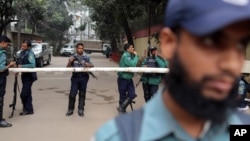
[71,59]
[135,53]
[145,53]
[11,64]
[86,64]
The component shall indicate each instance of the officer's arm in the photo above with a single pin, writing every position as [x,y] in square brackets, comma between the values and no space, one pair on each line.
[69,64]
[131,62]
[32,62]
[144,62]
[2,63]
[88,63]
[160,62]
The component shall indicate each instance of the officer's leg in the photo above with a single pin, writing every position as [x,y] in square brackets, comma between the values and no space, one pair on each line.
[82,96]
[26,97]
[72,96]
[130,97]
[152,90]
[3,123]
[29,105]
[2,93]
[145,87]
[22,95]
[131,91]
[122,87]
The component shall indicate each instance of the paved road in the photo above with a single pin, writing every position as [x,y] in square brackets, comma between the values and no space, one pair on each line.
[50,98]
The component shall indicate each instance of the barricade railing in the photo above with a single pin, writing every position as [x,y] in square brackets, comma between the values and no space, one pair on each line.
[103,69]
[93,69]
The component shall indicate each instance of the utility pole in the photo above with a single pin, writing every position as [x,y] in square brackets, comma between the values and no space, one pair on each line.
[18,25]
[149,23]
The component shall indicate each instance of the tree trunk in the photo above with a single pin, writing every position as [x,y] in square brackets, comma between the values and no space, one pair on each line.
[3,26]
[114,45]
[33,29]
[60,43]
[127,31]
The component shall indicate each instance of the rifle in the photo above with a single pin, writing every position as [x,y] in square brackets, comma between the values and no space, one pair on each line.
[90,73]
[13,104]
[138,82]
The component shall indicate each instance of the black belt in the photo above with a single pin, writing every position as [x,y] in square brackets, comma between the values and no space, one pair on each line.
[80,75]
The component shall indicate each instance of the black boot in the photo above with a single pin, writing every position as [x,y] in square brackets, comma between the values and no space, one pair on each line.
[3,123]
[81,104]
[122,108]
[146,91]
[71,106]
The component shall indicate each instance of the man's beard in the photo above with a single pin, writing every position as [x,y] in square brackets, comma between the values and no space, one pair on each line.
[188,94]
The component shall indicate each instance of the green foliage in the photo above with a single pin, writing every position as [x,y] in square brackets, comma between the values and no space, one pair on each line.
[35,12]
[115,17]
[56,23]
[82,27]
[7,13]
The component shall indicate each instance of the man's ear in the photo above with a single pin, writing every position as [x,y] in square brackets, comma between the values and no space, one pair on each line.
[168,43]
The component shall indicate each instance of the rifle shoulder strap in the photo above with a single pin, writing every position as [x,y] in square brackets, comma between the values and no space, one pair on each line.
[129,125]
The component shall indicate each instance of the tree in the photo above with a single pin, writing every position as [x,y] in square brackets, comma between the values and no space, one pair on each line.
[7,14]
[116,13]
[35,12]
[82,28]
[57,22]
[113,15]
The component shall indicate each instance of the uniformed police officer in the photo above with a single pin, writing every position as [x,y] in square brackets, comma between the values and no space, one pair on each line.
[3,74]
[151,81]
[27,60]
[79,80]
[125,82]
[242,94]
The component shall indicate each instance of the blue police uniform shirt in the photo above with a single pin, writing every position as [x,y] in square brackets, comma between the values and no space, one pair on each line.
[241,89]
[243,93]
[27,59]
[83,58]
[3,63]
[3,59]
[159,124]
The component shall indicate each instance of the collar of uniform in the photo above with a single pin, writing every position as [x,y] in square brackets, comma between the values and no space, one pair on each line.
[128,53]
[83,54]
[2,49]
[158,122]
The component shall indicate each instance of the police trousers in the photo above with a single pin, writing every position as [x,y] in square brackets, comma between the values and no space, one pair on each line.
[126,89]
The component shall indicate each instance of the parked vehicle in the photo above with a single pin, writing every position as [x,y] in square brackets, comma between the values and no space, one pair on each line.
[67,49]
[42,53]
[96,46]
